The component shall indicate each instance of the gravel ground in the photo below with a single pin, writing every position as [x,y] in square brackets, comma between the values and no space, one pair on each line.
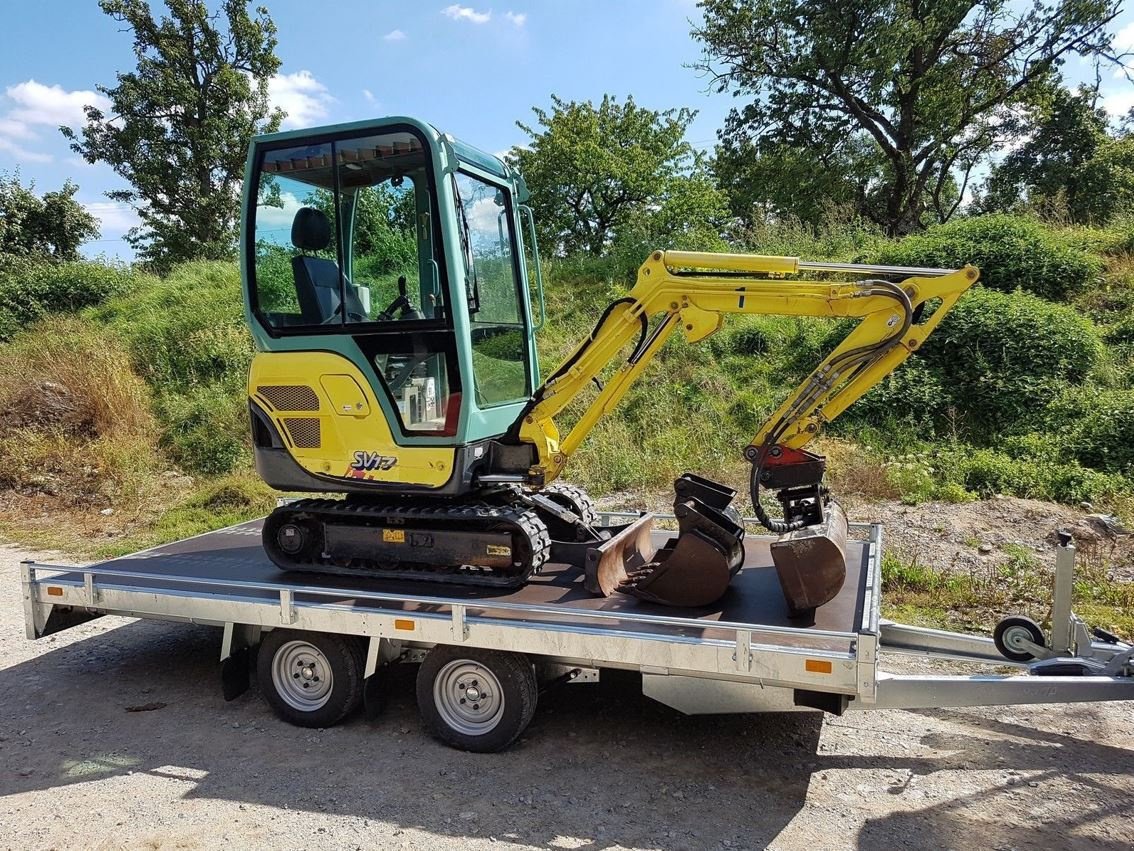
[600,767]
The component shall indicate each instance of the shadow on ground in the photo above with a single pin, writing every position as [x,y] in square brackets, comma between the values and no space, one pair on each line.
[599,762]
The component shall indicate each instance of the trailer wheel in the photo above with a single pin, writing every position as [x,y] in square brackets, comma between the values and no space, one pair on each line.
[476,700]
[312,679]
[1010,635]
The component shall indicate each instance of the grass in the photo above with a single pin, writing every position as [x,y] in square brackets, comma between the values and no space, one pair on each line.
[978,599]
[179,509]
[216,503]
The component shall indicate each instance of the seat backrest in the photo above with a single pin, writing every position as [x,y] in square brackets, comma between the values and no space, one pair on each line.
[317,288]
[316,278]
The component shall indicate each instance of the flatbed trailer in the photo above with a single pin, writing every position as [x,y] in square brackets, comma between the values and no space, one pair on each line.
[319,645]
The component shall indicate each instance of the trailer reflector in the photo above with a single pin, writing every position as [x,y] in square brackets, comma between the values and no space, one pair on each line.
[54,591]
[818,666]
[404,623]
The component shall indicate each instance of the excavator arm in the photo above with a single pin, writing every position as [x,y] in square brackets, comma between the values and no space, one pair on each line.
[693,291]
[676,290]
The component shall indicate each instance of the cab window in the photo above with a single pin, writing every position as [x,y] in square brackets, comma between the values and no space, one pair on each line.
[343,236]
[492,292]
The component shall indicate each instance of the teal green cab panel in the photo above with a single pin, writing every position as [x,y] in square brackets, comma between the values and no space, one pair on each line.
[400,249]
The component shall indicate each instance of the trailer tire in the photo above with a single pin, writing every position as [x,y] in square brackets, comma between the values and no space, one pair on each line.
[476,700]
[1012,628]
[311,679]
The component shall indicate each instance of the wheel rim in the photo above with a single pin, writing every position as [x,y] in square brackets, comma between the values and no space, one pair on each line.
[302,676]
[468,697]
[1015,636]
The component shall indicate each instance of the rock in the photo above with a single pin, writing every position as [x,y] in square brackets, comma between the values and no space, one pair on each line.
[1108,524]
[984,549]
[1086,506]
[106,512]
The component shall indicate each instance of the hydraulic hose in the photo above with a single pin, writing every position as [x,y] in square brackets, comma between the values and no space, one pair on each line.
[820,382]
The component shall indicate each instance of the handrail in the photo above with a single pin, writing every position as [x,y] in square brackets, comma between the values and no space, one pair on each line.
[473,603]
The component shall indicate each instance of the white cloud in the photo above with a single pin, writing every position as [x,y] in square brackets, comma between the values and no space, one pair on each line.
[51,105]
[517,18]
[274,223]
[1118,102]
[369,95]
[15,129]
[301,96]
[466,13]
[31,105]
[395,35]
[23,154]
[113,217]
[1124,38]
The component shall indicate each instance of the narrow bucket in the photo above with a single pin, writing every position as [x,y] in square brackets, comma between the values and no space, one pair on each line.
[608,564]
[812,562]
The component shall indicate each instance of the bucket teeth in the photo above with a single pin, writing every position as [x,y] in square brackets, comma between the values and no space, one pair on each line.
[695,568]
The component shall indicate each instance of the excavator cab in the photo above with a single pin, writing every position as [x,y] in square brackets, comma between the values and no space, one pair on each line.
[386,287]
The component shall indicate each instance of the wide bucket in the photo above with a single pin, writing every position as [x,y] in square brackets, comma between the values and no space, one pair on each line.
[695,568]
[812,562]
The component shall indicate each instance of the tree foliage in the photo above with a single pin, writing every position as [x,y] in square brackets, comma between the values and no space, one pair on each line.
[770,179]
[52,226]
[180,122]
[934,85]
[1070,164]
[384,236]
[615,171]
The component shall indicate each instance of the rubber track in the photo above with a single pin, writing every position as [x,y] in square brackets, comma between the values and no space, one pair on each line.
[523,521]
[580,500]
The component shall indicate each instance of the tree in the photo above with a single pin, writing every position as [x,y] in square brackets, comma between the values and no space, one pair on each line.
[934,85]
[598,173]
[1070,161]
[384,235]
[53,226]
[769,179]
[180,123]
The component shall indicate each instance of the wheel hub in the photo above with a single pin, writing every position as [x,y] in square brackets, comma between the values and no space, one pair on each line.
[291,538]
[302,676]
[468,697]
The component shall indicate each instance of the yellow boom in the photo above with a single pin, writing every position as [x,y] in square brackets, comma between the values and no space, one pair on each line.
[693,291]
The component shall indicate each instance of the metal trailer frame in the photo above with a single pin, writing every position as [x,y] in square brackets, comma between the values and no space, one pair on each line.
[686,663]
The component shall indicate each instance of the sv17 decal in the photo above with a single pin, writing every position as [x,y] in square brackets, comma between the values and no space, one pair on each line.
[365,461]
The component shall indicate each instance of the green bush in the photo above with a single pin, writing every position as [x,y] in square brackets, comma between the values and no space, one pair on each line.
[205,429]
[1012,252]
[187,329]
[915,395]
[31,290]
[1102,433]
[998,353]
[987,472]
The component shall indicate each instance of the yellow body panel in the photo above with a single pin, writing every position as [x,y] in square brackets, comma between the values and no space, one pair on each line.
[333,426]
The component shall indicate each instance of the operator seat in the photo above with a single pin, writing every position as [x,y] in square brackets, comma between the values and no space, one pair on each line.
[316,278]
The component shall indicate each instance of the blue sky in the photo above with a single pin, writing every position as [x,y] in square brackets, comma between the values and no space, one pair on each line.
[472,70]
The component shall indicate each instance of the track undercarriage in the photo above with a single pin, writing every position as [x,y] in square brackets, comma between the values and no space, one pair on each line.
[505,536]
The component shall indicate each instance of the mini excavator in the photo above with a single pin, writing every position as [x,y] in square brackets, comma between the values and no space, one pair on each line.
[400,376]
